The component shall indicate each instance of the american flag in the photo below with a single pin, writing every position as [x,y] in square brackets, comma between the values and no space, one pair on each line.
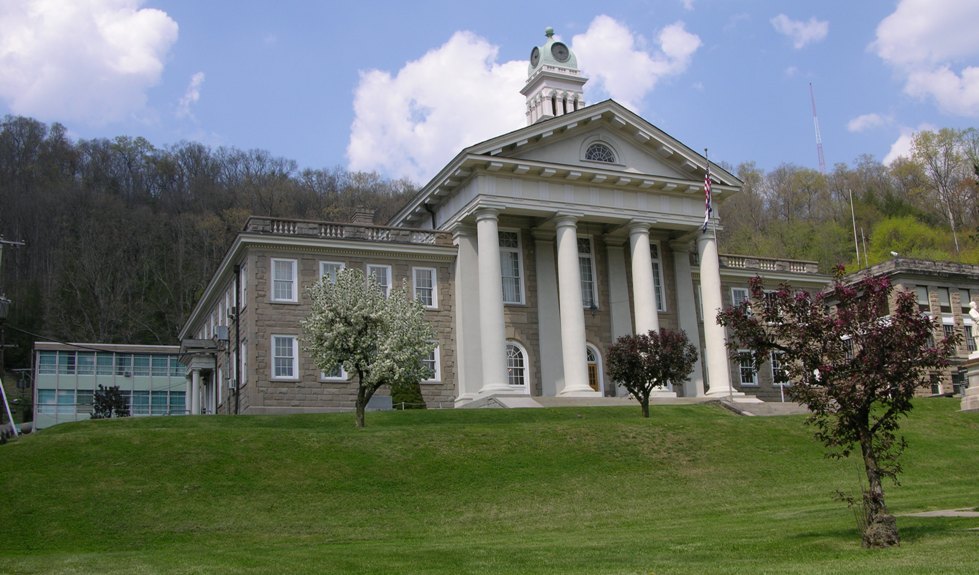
[708,210]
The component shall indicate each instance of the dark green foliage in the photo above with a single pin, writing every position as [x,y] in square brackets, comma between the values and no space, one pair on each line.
[108,402]
[408,396]
[123,236]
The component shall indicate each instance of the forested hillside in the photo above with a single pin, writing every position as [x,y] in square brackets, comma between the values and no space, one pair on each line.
[122,236]
[925,206]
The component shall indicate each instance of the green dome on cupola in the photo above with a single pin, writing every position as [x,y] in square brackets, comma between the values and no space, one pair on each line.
[553,53]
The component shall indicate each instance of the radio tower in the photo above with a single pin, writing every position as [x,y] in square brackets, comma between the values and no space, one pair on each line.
[819,139]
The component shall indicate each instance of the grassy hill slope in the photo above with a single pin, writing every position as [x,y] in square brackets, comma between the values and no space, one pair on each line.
[694,489]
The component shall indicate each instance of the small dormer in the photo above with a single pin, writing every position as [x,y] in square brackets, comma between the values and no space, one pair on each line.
[554,83]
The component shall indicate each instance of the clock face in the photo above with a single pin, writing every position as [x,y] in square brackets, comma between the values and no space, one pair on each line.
[534,56]
[560,52]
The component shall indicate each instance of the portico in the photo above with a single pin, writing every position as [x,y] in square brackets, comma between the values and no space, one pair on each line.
[572,232]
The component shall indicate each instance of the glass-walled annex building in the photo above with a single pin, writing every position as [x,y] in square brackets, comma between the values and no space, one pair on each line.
[66,376]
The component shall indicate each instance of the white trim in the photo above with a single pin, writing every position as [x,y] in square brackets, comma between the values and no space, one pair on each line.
[387,270]
[594,273]
[434,287]
[526,365]
[295,358]
[754,372]
[294,287]
[772,364]
[340,266]
[659,285]
[342,378]
[437,377]
[520,265]
[598,365]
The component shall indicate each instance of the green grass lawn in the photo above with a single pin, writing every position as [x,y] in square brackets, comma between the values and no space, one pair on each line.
[694,489]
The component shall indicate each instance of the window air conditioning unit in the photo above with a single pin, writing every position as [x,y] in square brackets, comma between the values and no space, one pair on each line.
[232,383]
[221,333]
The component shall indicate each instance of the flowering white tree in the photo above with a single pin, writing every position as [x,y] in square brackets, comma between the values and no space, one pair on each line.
[381,340]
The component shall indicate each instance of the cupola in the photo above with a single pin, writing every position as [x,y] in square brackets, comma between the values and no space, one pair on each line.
[554,83]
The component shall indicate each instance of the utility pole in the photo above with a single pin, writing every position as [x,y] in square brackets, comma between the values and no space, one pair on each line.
[4,311]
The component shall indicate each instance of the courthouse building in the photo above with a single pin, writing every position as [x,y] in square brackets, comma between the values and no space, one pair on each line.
[531,252]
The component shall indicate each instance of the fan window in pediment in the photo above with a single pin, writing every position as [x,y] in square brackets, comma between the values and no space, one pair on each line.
[599,152]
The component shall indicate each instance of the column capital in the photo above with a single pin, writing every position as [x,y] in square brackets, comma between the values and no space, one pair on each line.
[487,213]
[460,230]
[639,227]
[705,239]
[564,219]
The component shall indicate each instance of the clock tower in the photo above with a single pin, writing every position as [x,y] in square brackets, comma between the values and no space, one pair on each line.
[554,83]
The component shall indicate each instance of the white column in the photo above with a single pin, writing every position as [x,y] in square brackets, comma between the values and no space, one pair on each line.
[686,310]
[195,392]
[549,315]
[643,288]
[549,105]
[493,338]
[719,373]
[469,370]
[572,310]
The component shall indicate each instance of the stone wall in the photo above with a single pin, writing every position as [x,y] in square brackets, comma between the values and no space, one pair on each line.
[262,318]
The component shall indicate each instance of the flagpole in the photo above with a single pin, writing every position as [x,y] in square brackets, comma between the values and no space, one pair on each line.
[708,203]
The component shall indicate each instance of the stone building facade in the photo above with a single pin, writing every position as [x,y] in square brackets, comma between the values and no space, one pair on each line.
[546,244]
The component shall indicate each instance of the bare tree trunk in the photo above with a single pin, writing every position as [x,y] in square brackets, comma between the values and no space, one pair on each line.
[362,399]
[644,402]
[881,527]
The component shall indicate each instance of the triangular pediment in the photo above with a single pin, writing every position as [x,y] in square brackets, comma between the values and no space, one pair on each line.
[640,147]
[643,157]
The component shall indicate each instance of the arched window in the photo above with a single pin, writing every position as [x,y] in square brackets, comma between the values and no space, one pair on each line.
[516,364]
[594,368]
[599,152]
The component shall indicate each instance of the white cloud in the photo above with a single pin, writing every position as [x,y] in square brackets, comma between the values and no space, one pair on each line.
[688,5]
[618,62]
[925,43]
[90,61]
[410,124]
[801,33]
[865,122]
[901,148]
[191,95]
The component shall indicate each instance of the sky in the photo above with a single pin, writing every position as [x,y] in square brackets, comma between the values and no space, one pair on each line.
[400,88]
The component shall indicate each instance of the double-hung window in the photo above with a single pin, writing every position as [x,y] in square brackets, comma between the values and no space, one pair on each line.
[431,361]
[330,270]
[746,366]
[335,374]
[739,295]
[779,375]
[658,278]
[424,284]
[284,284]
[586,263]
[285,357]
[382,276]
[511,267]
